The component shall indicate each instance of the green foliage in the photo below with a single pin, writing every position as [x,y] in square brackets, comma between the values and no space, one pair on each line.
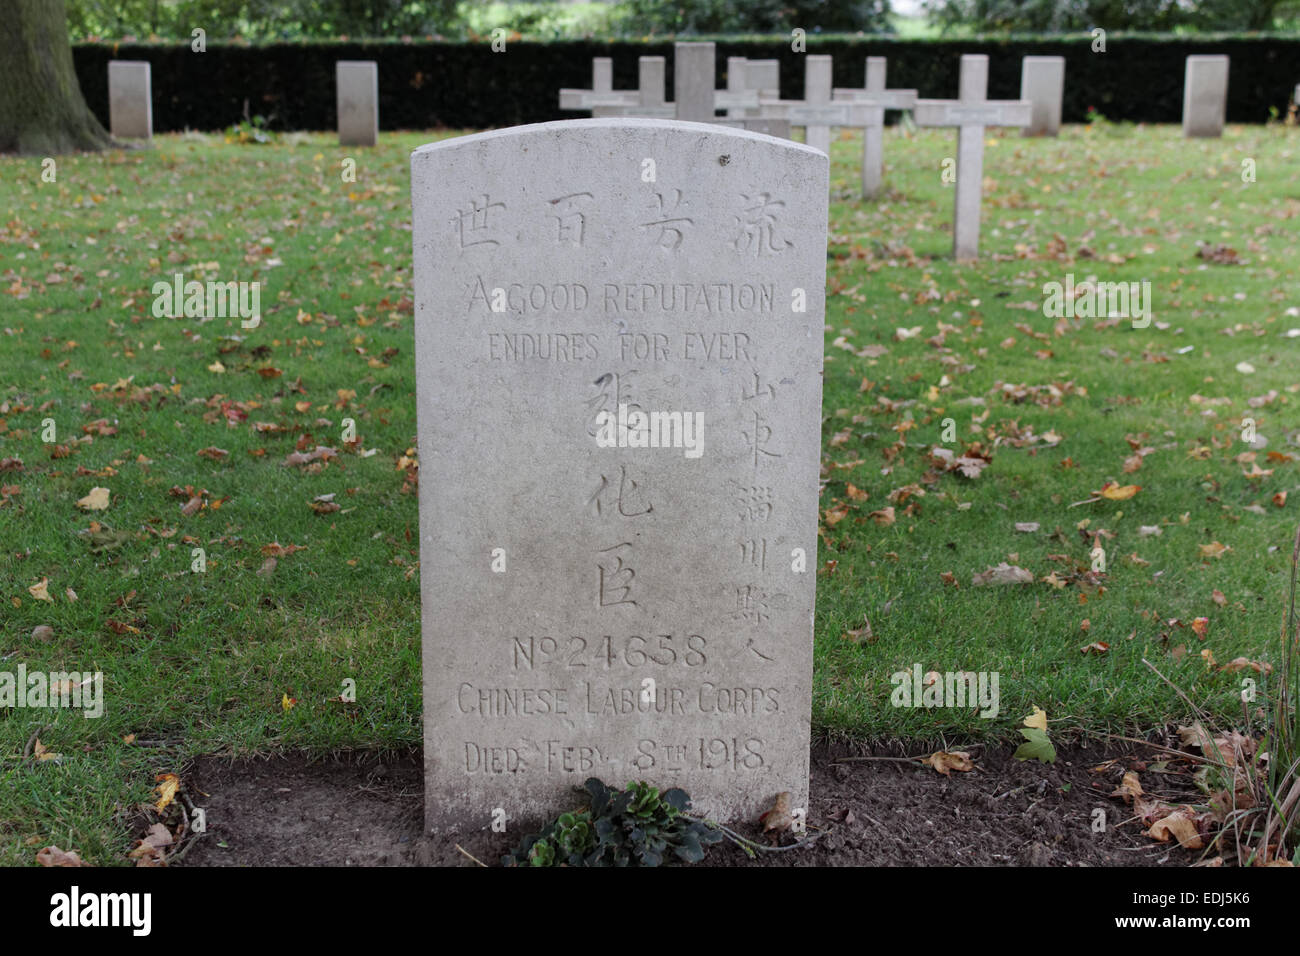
[1037,746]
[637,826]
[754,16]
[1062,16]
[249,132]
[261,19]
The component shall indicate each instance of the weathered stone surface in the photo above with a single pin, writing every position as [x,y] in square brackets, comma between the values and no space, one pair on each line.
[646,618]
[1042,83]
[130,99]
[357,83]
[1205,95]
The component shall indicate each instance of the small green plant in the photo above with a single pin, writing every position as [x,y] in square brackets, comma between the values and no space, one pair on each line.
[249,132]
[637,826]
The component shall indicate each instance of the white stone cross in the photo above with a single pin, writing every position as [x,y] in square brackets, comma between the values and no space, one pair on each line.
[817,112]
[603,101]
[971,112]
[876,99]
[764,76]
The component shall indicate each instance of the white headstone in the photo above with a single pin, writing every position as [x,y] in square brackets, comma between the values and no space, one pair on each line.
[876,99]
[1205,95]
[130,99]
[971,113]
[693,94]
[817,113]
[625,612]
[602,100]
[1042,83]
[358,102]
[693,77]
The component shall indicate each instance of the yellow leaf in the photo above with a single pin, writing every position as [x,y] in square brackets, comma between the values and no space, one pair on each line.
[41,590]
[168,784]
[217,367]
[1037,719]
[287,702]
[1115,492]
[1214,550]
[97,500]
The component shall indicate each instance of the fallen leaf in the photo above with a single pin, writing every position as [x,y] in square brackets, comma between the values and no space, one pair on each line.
[779,816]
[1130,788]
[168,784]
[53,856]
[945,762]
[1002,574]
[41,590]
[97,500]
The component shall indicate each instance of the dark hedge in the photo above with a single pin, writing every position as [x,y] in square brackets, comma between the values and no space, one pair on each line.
[464,85]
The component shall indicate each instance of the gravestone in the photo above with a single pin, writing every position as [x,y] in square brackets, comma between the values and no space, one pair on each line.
[761,76]
[971,113]
[357,82]
[693,92]
[875,99]
[130,99]
[593,607]
[602,100]
[1205,95]
[817,112]
[1042,83]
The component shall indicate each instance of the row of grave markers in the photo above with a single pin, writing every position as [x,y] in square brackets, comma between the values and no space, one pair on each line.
[752,102]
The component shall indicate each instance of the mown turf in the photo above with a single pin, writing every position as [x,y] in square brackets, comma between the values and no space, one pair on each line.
[204,662]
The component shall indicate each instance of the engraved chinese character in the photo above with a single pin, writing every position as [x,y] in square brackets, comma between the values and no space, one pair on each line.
[472,223]
[751,605]
[755,502]
[671,228]
[758,437]
[759,390]
[611,390]
[757,224]
[615,581]
[754,552]
[627,490]
[570,220]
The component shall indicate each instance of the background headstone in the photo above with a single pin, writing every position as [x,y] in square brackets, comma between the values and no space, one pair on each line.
[693,79]
[357,82]
[971,113]
[877,99]
[1042,83]
[646,619]
[1205,95]
[130,99]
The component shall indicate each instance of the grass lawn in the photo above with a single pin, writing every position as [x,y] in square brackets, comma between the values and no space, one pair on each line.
[169,412]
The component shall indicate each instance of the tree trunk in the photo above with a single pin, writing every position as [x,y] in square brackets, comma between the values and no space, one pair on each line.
[42,111]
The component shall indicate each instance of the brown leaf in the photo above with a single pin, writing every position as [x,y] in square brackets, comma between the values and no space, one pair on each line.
[53,856]
[944,762]
[779,817]
[213,453]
